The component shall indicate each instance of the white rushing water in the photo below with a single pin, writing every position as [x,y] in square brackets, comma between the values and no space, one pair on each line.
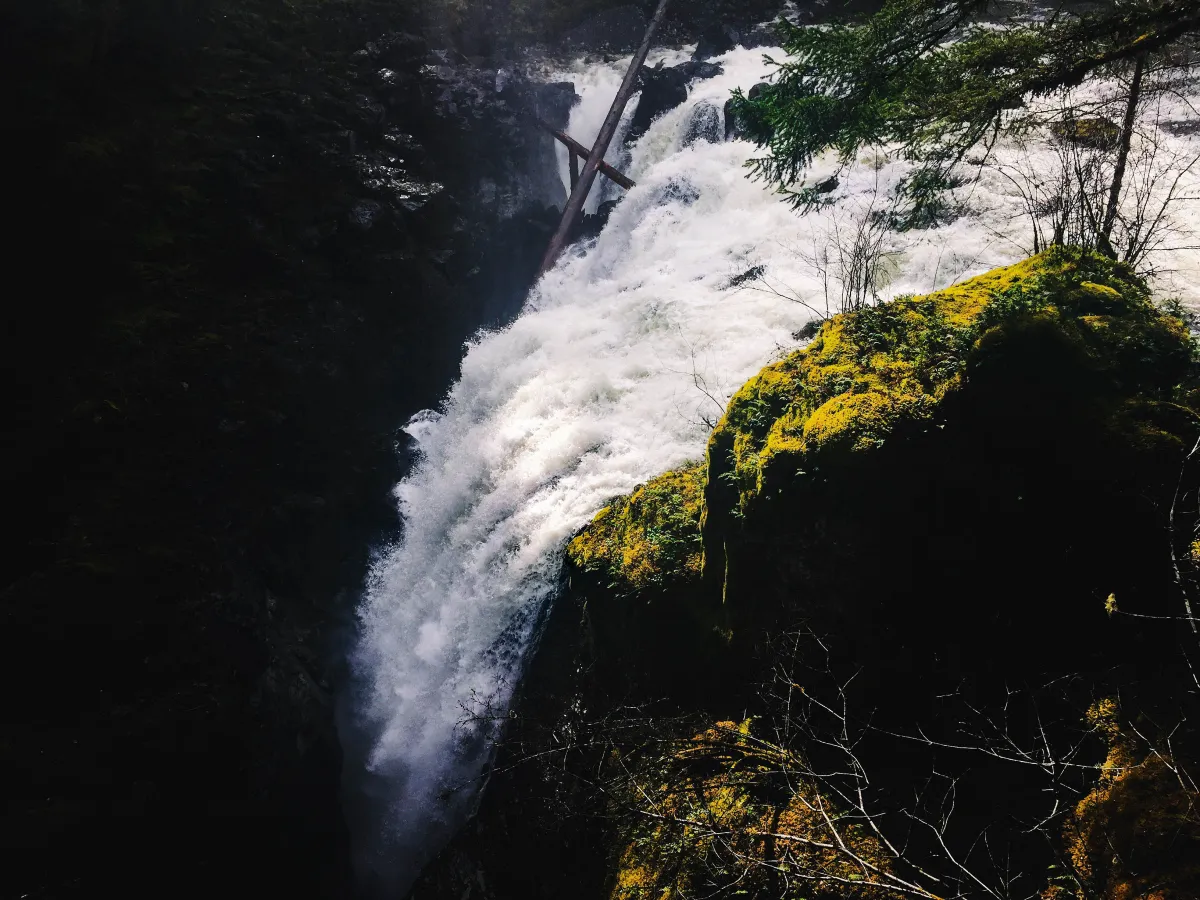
[608,376]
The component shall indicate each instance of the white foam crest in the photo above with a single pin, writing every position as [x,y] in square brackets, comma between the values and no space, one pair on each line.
[622,354]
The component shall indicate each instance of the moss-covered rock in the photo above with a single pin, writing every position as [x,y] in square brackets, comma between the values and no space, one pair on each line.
[636,567]
[649,538]
[727,814]
[1136,835]
[950,491]
[1093,132]
[1031,381]
[887,369]
[1039,382]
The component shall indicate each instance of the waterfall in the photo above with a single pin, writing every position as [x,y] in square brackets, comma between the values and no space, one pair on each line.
[620,359]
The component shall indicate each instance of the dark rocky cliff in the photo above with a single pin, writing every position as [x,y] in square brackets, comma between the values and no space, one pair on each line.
[251,239]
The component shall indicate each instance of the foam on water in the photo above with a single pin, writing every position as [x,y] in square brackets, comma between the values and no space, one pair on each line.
[607,378]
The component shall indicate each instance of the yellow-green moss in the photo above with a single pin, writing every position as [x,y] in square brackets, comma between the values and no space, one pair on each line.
[648,537]
[1136,836]
[869,374]
[1095,132]
[717,807]
[877,373]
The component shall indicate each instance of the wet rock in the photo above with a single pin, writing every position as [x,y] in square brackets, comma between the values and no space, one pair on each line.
[828,186]
[754,273]
[592,225]
[695,70]
[716,40]
[732,130]
[365,213]
[1182,127]
[619,29]
[760,36]
[663,89]
[735,127]
[679,190]
[492,109]
[555,101]
[704,126]
[1093,132]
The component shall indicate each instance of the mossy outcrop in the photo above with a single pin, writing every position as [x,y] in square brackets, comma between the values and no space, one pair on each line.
[640,560]
[650,538]
[1056,372]
[914,446]
[1136,835]
[726,814]
[885,370]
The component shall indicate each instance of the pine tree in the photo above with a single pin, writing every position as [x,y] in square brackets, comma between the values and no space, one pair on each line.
[929,77]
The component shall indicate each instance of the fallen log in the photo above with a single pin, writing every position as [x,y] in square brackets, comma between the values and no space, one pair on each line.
[588,176]
[576,149]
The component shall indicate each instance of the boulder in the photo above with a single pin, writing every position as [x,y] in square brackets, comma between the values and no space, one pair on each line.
[1182,127]
[735,128]
[553,102]
[679,190]
[591,226]
[1093,132]
[760,36]
[716,40]
[704,125]
[663,89]
[828,186]
[695,70]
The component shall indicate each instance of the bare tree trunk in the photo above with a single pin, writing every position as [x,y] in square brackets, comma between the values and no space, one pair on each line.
[1104,241]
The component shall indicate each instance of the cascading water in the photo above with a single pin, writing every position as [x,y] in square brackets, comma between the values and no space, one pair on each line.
[621,356]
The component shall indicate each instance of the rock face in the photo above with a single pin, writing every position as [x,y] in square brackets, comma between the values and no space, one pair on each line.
[719,25]
[488,112]
[716,40]
[694,70]
[271,289]
[593,224]
[761,35]
[615,30]
[852,411]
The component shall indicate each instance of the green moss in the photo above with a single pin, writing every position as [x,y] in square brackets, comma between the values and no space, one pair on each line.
[885,370]
[1094,132]
[1137,833]
[648,538]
